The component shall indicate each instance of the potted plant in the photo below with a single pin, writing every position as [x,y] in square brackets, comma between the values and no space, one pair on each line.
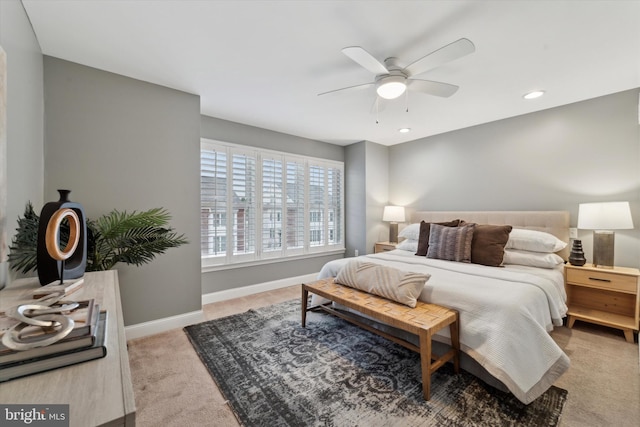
[131,238]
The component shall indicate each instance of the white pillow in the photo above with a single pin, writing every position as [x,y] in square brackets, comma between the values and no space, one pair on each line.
[408,245]
[532,259]
[535,241]
[410,232]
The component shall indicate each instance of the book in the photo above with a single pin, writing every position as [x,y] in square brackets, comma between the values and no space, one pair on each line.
[68,287]
[37,365]
[8,355]
[83,317]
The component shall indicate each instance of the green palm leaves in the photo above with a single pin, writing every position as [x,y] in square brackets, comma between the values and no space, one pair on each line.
[132,238]
[23,250]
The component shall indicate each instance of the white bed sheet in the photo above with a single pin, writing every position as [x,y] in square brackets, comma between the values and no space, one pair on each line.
[505,315]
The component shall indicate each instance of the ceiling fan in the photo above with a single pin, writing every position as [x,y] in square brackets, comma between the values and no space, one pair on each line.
[391,80]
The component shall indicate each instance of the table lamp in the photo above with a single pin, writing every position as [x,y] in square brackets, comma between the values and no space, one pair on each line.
[603,218]
[394,215]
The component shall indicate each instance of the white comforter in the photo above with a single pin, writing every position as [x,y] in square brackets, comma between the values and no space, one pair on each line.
[505,315]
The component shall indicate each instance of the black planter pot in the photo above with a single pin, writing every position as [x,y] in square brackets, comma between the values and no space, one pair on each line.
[49,269]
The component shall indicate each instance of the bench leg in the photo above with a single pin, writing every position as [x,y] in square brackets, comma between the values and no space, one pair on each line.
[425,362]
[454,330]
[305,299]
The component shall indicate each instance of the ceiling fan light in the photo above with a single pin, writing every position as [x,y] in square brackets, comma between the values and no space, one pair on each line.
[391,87]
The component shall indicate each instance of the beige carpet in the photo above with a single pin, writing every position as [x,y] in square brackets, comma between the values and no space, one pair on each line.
[173,388]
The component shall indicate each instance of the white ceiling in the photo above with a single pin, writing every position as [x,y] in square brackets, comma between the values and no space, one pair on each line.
[262,63]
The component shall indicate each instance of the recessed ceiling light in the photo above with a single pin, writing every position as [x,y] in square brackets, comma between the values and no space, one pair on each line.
[404,130]
[533,95]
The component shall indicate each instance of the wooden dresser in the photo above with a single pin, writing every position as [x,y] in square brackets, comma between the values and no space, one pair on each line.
[98,392]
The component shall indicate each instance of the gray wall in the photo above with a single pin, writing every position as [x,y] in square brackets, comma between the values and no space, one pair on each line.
[356,200]
[124,144]
[549,160]
[367,188]
[237,133]
[25,112]
[377,182]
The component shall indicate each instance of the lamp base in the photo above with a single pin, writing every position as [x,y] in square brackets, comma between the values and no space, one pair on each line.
[603,248]
[393,232]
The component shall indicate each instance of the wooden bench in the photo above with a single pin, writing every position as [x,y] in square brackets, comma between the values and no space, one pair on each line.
[424,320]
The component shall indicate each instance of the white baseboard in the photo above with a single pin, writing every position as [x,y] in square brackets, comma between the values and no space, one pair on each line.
[254,289]
[152,327]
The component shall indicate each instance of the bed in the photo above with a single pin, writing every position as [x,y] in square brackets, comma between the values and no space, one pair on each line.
[506,312]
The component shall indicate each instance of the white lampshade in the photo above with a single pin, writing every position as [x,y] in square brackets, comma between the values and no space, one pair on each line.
[605,216]
[393,214]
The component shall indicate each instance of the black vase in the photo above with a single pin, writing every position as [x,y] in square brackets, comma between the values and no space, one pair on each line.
[50,269]
[576,257]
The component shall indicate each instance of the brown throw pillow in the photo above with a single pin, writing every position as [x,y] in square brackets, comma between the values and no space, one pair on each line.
[423,238]
[487,247]
[451,243]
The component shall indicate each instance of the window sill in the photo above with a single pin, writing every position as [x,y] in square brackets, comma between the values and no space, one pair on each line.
[212,268]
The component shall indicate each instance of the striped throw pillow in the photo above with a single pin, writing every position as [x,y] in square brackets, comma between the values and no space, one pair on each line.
[390,283]
[451,243]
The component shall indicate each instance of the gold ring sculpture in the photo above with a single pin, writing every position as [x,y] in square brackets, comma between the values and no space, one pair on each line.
[53,230]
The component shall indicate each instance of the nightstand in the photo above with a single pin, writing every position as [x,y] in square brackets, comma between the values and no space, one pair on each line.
[384,247]
[605,296]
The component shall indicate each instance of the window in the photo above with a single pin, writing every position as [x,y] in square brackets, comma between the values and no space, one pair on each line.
[260,204]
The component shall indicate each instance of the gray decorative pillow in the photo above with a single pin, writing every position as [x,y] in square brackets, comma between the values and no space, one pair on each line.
[451,243]
[396,285]
[423,239]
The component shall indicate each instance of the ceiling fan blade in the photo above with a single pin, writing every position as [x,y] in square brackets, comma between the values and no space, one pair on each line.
[350,88]
[455,50]
[444,90]
[365,59]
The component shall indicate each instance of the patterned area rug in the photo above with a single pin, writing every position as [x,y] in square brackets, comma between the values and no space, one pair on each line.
[275,373]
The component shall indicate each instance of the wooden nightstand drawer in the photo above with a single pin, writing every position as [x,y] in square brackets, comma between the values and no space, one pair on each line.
[603,280]
[384,247]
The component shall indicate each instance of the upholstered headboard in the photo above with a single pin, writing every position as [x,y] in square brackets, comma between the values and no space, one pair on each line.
[552,222]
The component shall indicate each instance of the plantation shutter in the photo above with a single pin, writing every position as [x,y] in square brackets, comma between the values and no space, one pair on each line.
[260,204]
[213,207]
[316,205]
[243,221]
[295,203]
[272,204]
[334,205]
